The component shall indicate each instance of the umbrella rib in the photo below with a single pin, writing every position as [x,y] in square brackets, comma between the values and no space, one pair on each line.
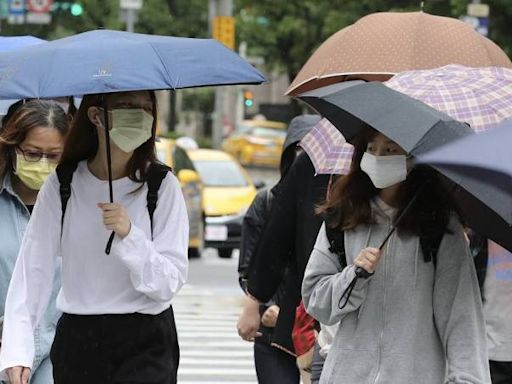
[171,76]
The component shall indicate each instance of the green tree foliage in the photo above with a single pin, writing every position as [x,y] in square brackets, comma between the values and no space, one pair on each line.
[286,33]
[500,19]
[163,17]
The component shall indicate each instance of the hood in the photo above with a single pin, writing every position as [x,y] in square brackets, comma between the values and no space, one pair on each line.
[298,128]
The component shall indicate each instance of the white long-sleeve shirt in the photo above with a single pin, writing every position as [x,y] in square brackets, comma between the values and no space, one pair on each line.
[139,275]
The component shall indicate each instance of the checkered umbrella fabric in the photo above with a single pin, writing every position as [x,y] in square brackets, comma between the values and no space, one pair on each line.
[328,150]
[481,97]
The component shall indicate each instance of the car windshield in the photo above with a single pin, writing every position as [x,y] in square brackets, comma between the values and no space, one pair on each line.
[220,174]
[262,132]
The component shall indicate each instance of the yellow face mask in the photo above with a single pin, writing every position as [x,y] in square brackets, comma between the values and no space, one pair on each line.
[33,174]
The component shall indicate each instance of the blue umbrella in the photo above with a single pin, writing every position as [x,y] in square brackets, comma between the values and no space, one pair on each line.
[481,167]
[11,43]
[105,61]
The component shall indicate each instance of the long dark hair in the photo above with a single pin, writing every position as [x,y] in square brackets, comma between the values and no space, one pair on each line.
[349,201]
[82,142]
[27,116]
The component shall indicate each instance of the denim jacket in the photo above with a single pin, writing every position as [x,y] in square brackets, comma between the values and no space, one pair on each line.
[14,219]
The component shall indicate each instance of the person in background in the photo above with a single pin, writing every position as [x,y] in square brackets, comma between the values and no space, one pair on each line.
[66,103]
[31,144]
[272,363]
[117,324]
[418,317]
[494,269]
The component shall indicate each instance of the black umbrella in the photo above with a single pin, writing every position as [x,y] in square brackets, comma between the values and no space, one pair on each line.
[417,128]
[482,166]
[413,125]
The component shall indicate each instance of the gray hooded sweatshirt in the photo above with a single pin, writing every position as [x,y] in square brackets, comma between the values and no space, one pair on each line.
[409,323]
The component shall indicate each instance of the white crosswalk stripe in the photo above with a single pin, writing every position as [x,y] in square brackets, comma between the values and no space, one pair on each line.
[211,350]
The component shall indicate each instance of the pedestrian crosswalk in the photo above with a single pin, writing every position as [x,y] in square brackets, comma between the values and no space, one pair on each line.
[211,350]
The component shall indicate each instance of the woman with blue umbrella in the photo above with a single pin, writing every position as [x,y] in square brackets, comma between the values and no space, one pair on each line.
[118,324]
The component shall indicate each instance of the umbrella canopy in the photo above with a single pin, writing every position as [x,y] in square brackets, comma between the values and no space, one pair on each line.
[481,97]
[380,45]
[413,125]
[11,43]
[481,165]
[328,150]
[105,61]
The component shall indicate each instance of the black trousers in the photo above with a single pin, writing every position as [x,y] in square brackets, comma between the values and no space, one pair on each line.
[274,366]
[501,372]
[116,349]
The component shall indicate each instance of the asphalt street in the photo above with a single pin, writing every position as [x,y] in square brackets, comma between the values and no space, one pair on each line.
[207,310]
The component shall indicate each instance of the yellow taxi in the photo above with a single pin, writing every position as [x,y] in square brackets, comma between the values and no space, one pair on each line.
[171,154]
[227,193]
[257,142]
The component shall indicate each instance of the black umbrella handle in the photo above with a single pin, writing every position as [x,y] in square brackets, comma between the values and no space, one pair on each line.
[109,165]
[109,243]
[362,273]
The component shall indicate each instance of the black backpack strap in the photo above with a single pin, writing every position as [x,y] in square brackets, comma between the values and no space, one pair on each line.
[65,175]
[336,238]
[156,174]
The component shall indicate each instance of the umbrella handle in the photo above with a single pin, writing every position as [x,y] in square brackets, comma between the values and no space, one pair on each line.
[360,272]
[109,243]
[109,165]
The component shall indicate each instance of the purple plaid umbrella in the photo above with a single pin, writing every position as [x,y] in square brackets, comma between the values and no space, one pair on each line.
[327,148]
[481,97]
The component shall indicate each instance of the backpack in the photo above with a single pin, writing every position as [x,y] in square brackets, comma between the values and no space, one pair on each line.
[155,175]
[429,244]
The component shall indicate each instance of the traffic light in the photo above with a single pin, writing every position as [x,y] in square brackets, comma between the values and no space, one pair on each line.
[77,9]
[248,99]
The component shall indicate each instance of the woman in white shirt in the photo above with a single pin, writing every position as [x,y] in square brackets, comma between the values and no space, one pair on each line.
[118,324]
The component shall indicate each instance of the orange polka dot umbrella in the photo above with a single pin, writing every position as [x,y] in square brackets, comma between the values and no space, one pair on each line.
[381,45]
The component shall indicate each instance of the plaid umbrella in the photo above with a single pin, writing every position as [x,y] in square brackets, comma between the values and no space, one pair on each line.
[383,44]
[327,148]
[481,97]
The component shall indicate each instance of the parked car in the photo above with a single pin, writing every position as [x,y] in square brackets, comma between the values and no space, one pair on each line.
[257,142]
[227,193]
[171,154]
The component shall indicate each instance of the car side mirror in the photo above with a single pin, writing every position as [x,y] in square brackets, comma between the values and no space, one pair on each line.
[186,176]
[259,184]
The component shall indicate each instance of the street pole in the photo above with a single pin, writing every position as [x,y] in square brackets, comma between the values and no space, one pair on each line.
[219,8]
[240,109]
[130,20]
[129,12]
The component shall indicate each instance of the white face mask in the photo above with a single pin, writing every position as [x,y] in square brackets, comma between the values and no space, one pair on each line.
[130,128]
[384,171]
